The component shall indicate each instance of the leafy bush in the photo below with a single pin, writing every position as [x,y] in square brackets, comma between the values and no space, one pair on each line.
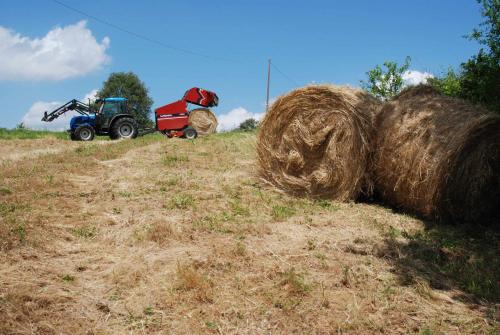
[386,83]
[449,84]
[248,125]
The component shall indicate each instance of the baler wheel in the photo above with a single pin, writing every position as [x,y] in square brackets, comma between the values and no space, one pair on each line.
[190,133]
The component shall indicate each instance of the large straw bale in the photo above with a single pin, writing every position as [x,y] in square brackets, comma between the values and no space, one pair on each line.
[315,142]
[438,156]
[203,120]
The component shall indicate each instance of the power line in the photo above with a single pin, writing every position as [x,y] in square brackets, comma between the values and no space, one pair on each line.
[137,35]
[285,75]
[160,43]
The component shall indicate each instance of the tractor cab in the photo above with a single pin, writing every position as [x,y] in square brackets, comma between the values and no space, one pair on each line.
[111,105]
[108,108]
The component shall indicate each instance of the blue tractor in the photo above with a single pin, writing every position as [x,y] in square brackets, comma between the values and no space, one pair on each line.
[108,116]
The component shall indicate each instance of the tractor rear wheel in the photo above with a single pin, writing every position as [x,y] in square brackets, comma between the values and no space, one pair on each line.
[190,133]
[84,133]
[125,127]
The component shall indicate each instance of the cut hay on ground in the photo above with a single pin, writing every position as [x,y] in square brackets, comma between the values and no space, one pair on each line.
[203,120]
[439,157]
[315,141]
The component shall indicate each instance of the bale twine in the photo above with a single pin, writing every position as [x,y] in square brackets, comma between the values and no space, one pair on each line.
[438,156]
[203,120]
[315,141]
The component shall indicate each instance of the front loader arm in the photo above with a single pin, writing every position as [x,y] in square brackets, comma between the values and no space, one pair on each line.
[73,105]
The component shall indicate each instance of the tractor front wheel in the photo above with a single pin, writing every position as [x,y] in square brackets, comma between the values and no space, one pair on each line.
[190,133]
[124,128]
[84,133]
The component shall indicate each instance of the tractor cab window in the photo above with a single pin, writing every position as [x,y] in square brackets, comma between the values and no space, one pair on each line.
[109,108]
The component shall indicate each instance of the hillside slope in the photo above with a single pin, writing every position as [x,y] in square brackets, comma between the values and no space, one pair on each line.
[173,236]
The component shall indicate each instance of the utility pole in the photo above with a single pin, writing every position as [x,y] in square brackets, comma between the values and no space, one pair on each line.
[268,81]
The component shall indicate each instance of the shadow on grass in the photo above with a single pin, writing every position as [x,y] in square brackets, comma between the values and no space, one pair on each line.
[447,258]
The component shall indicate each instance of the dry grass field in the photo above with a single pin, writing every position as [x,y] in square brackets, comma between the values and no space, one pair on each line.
[158,236]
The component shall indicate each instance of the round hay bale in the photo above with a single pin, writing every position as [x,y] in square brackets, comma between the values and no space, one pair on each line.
[203,120]
[438,156]
[315,141]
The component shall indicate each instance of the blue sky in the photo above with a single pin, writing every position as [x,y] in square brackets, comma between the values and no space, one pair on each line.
[48,55]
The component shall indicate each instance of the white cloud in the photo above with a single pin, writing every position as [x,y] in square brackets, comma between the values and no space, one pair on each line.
[413,77]
[33,118]
[92,95]
[62,53]
[233,118]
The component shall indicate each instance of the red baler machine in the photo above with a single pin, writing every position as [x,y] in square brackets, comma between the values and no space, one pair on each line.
[173,119]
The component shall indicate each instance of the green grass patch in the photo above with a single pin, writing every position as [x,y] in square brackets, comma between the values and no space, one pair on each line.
[281,212]
[125,194]
[27,134]
[85,231]
[219,222]
[295,282]
[233,134]
[173,160]
[426,331]
[87,150]
[68,278]
[11,207]
[394,232]
[327,204]
[182,201]
[148,310]
[238,208]
[211,325]
[167,185]
[5,191]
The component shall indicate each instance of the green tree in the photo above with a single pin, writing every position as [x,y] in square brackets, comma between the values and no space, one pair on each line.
[488,33]
[128,85]
[248,125]
[448,84]
[386,83]
[480,80]
[479,77]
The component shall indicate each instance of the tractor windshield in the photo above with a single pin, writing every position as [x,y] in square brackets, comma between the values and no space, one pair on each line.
[111,107]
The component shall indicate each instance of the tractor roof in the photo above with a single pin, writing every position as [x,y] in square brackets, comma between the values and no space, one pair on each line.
[115,99]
